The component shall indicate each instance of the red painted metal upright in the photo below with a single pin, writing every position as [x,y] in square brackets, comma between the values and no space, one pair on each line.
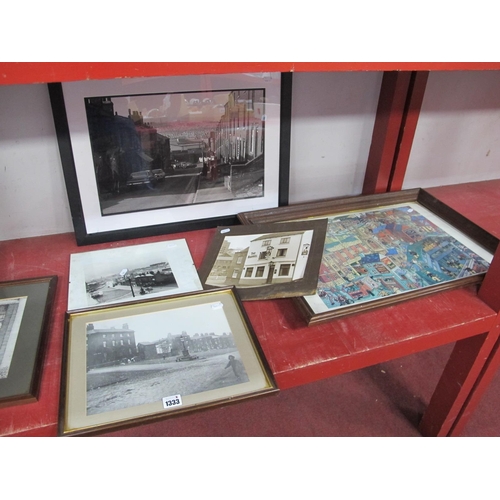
[400,101]
[386,130]
[408,127]
[473,361]
[490,294]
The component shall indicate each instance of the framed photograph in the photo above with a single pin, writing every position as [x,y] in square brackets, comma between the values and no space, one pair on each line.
[141,362]
[150,156]
[266,261]
[131,273]
[24,314]
[383,249]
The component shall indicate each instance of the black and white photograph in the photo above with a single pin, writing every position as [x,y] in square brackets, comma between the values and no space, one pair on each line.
[262,259]
[164,150]
[137,360]
[146,153]
[131,273]
[25,307]
[132,363]
[265,261]
[11,313]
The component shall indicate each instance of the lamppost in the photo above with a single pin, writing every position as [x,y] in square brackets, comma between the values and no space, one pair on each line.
[123,272]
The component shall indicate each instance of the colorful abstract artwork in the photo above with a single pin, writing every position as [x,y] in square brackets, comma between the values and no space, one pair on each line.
[379,253]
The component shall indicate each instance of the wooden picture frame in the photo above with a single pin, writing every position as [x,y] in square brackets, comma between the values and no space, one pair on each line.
[142,362]
[356,278]
[150,156]
[265,261]
[25,307]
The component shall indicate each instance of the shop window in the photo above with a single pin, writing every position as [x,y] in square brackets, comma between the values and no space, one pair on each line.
[284,270]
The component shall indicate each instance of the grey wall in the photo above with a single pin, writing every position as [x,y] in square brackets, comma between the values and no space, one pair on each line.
[456,141]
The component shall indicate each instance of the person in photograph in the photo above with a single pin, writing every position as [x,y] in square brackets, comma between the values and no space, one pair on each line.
[235,365]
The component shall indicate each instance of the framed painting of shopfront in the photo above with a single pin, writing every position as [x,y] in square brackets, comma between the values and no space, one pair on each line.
[151,156]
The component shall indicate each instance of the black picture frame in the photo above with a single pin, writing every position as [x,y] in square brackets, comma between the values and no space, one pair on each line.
[25,307]
[196,219]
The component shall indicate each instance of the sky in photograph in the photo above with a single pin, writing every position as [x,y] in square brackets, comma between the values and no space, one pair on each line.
[103,263]
[241,242]
[169,106]
[203,318]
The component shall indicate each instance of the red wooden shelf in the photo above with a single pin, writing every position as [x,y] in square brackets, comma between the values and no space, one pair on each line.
[297,354]
[12,73]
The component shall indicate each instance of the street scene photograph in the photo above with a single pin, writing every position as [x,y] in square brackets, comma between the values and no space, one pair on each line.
[165,150]
[131,282]
[130,273]
[136,360]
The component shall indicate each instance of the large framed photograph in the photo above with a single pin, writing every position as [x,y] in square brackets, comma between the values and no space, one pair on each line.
[151,156]
[141,362]
[383,249]
[131,273]
[25,306]
[266,261]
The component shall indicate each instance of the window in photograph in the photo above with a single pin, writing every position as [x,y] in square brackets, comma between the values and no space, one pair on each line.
[284,270]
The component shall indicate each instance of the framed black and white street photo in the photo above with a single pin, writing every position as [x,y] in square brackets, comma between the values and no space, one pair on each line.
[267,260]
[131,273]
[154,155]
[140,362]
[24,313]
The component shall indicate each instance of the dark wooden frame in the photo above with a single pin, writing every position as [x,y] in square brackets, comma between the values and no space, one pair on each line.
[22,384]
[239,317]
[73,190]
[304,286]
[330,207]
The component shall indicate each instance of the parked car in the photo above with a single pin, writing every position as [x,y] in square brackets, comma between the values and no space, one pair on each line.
[159,174]
[141,178]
